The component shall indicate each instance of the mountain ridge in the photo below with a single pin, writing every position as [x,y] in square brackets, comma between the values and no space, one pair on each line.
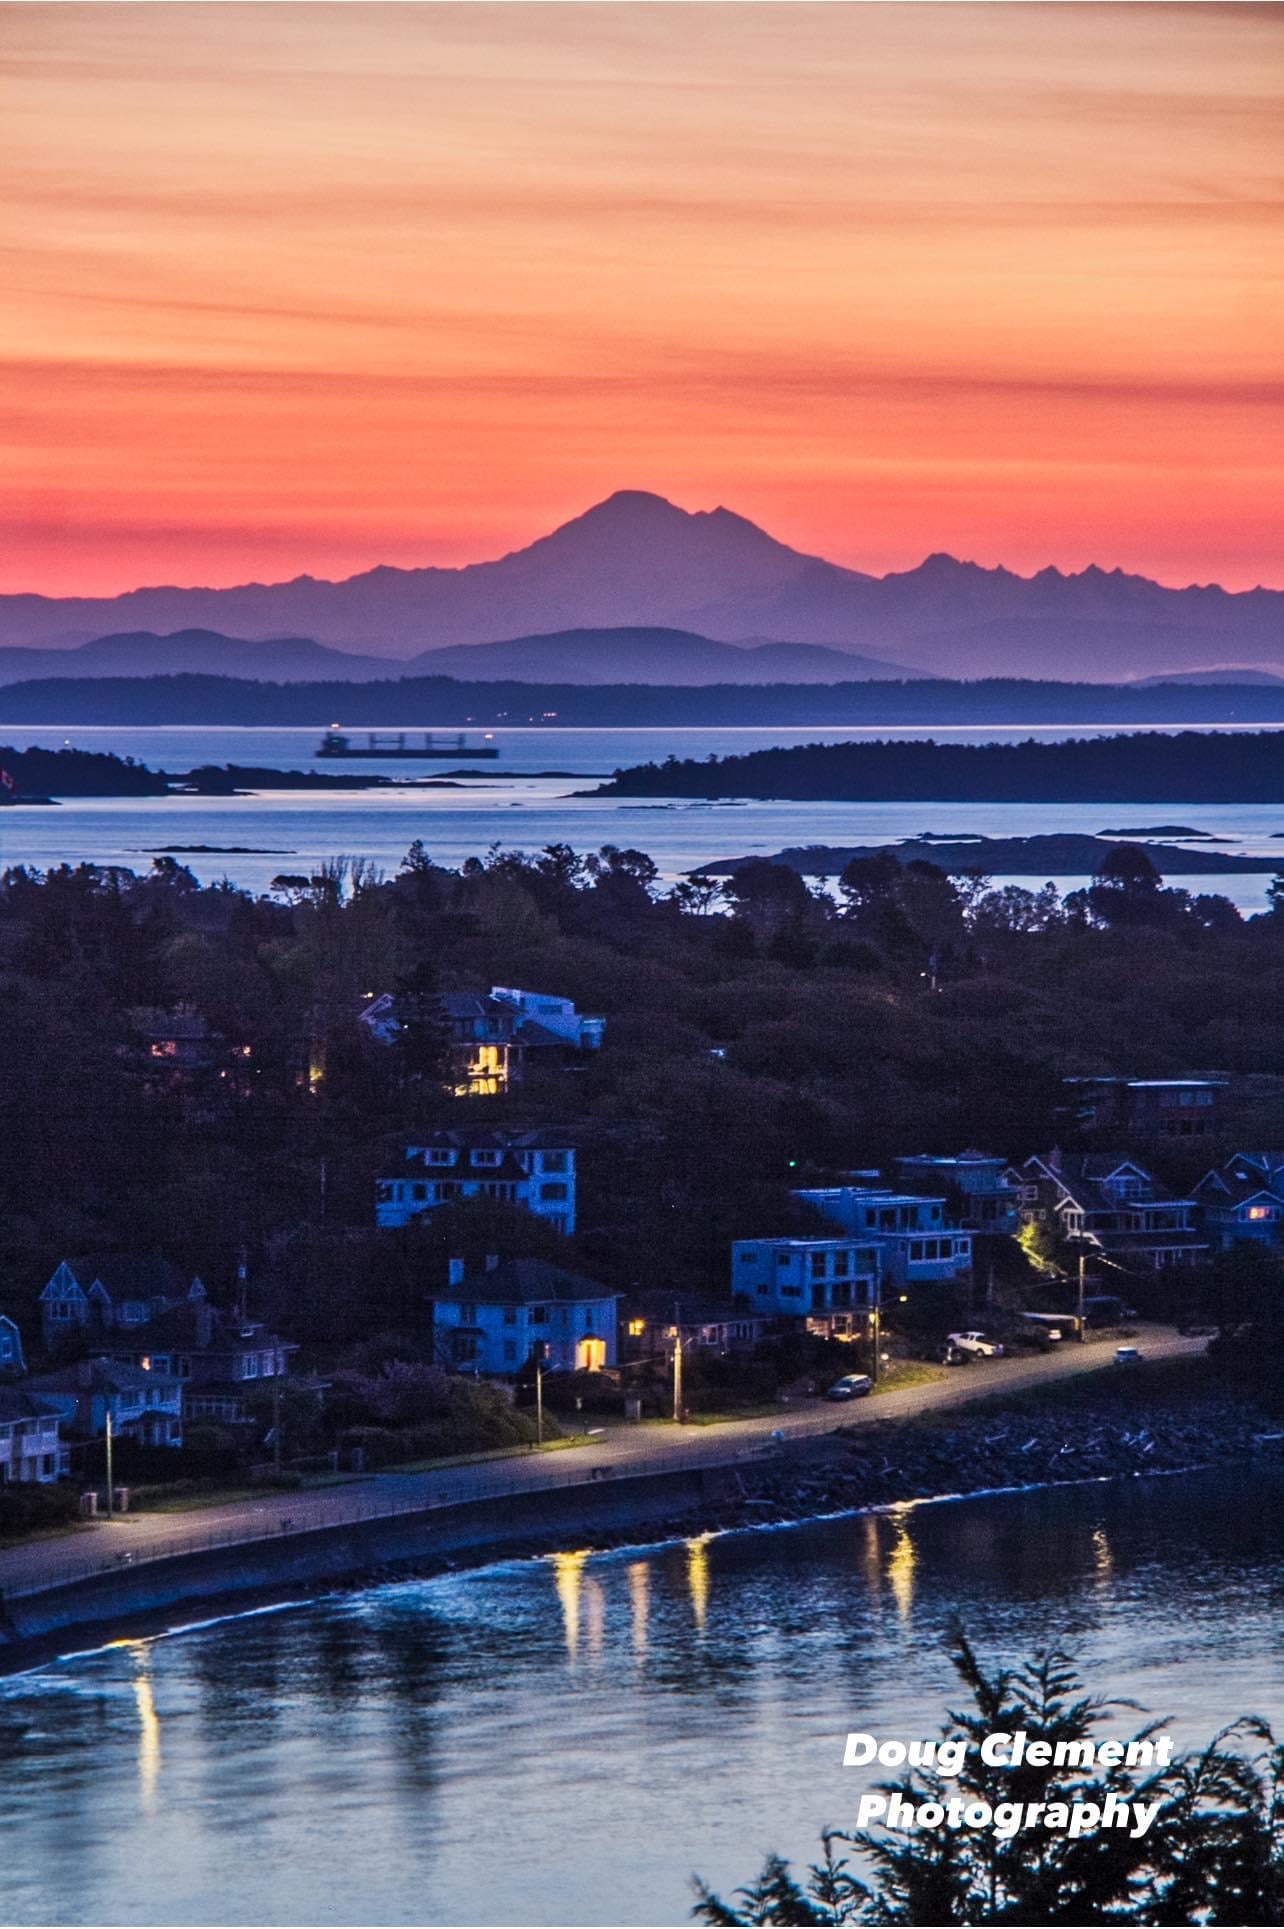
[636,560]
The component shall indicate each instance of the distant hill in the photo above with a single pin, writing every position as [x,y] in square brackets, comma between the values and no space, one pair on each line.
[1211,676]
[637,561]
[435,702]
[569,656]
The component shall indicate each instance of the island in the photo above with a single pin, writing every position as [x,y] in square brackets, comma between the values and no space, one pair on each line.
[1055,854]
[1141,767]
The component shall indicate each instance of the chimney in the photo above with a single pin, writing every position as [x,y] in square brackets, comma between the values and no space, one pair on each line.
[455,1272]
[492,1260]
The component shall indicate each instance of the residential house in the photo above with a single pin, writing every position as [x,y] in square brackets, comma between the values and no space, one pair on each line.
[518,1309]
[144,1406]
[106,1291]
[1115,1205]
[918,1244]
[1169,1108]
[489,1035]
[985,1197]
[218,1358]
[534,1168]
[176,1051]
[651,1321]
[11,1360]
[31,1445]
[831,1284]
[1244,1199]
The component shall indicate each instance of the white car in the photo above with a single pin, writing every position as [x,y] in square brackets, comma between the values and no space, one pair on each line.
[977,1344]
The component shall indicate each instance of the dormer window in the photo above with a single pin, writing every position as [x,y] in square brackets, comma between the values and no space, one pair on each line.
[440,1155]
[487,1156]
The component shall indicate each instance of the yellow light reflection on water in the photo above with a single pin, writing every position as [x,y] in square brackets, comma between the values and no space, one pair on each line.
[568,1573]
[698,1576]
[1103,1560]
[594,1615]
[901,1563]
[640,1597]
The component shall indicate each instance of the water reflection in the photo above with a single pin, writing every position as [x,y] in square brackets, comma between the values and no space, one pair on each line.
[330,1765]
[568,1572]
[698,1577]
[640,1597]
[901,1563]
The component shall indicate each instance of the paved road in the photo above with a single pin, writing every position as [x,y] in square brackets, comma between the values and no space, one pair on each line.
[622,1450]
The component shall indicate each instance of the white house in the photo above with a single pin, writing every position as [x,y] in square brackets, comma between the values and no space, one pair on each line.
[530,1168]
[539,1012]
[919,1246]
[519,1309]
[833,1284]
[30,1443]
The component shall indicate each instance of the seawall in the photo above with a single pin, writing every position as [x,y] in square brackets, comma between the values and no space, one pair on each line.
[289,1564]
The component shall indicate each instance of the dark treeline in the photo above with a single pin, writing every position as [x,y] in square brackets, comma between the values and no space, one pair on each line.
[77,773]
[437,701]
[1146,767]
[756,1031]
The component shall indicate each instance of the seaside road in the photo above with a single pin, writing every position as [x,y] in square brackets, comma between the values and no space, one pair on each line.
[620,1451]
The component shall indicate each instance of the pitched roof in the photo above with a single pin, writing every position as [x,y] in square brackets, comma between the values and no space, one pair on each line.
[520,1280]
[131,1275]
[17,1405]
[104,1376]
[497,1137]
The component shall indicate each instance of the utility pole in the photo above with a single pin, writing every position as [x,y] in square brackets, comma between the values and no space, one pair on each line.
[276,1423]
[1083,1261]
[875,1326]
[677,1373]
[539,1400]
[111,1498]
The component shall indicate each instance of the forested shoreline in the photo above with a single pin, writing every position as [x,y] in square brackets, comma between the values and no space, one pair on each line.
[1142,767]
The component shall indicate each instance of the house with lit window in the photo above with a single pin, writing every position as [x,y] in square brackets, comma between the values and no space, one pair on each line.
[652,1320]
[31,1446]
[11,1359]
[529,1167]
[218,1358]
[103,1292]
[490,1036]
[1244,1199]
[142,1405]
[918,1244]
[1114,1204]
[831,1284]
[984,1197]
[516,1310]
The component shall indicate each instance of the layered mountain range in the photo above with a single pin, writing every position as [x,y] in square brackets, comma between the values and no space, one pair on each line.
[637,562]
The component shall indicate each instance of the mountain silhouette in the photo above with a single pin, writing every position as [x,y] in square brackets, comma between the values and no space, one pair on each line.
[638,561]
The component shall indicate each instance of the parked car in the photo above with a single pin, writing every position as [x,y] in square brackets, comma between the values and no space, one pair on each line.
[979,1345]
[852,1386]
[1126,1355]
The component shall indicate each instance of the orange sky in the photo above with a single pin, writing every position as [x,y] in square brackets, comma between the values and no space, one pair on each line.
[295,287]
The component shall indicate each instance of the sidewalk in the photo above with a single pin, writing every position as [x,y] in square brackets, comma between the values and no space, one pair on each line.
[622,1453]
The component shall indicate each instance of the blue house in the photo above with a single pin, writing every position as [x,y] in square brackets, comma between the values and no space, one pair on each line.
[1244,1199]
[11,1360]
[919,1246]
[832,1284]
[530,1168]
[521,1309]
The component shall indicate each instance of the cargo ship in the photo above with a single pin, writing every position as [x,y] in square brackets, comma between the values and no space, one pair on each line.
[336,744]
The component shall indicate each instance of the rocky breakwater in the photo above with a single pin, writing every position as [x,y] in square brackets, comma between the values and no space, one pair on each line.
[999,1448]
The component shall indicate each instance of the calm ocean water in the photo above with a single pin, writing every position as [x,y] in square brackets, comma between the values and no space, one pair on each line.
[565,1740]
[515,806]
